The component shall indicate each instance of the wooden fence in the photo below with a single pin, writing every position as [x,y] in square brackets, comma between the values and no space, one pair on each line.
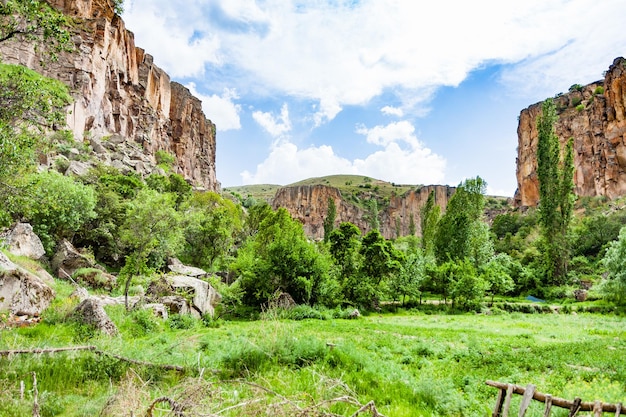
[503,403]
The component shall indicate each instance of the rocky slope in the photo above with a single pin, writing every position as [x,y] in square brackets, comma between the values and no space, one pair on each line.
[309,204]
[596,120]
[120,93]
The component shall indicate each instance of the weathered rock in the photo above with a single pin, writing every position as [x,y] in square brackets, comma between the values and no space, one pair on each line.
[309,205]
[78,168]
[68,260]
[177,304]
[598,126]
[91,312]
[580,295]
[6,264]
[205,298]
[21,240]
[120,95]
[190,271]
[285,301]
[23,293]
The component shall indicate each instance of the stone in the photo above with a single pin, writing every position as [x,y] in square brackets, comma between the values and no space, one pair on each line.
[68,260]
[96,279]
[22,241]
[23,293]
[177,305]
[580,295]
[91,312]
[190,271]
[158,309]
[205,298]
[599,132]
[6,264]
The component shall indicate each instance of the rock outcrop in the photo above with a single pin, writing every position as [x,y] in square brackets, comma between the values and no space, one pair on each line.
[22,292]
[22,241]
[309,205]
[120,93]
[595,116]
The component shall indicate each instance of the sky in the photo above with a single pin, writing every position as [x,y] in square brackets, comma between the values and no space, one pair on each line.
[406,91]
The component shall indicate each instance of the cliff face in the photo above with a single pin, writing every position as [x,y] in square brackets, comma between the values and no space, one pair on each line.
[597,122]
[309,205]
[119,92]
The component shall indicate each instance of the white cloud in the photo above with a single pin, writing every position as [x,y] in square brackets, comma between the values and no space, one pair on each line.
[412,164]
[392,111]
[346,53]
[275,126]
[220,109]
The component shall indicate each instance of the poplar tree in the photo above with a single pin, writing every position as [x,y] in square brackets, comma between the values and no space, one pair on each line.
[555,173]
[329,221]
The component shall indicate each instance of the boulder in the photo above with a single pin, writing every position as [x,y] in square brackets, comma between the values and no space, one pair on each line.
[21,240]
[96,279]
[158,309]
[23,293]
[580,295]
[178,267]
[68,260]
[205,298]
[177,305]
[91,312]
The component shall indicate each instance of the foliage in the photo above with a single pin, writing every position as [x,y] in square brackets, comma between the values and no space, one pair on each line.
[459,230]
[165,160]
[329,220]
[345,242]
[599,90]
[35,21]
[556,194]
[497,274]
[29,103]
[615,263]
[591,234]
[210,225]
[410,279]
[429,217]
[279,258]
[56,206]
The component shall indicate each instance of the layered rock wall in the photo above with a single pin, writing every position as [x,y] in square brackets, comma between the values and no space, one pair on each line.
[309,205]
[597,122]
[119,91]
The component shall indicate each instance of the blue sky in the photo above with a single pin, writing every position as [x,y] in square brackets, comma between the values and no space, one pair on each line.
[407,91]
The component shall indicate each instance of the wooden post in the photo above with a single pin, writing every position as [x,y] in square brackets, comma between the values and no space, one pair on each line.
[507,400]
[35,397]
[575,407]
[526,399]
[499,401]
[597,408]
[618,409]
[21,390]
[546,412]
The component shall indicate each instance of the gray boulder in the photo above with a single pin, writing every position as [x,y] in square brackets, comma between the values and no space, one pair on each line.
[205,298]
[21,240]
[91,312]
[21,292]
[68,260]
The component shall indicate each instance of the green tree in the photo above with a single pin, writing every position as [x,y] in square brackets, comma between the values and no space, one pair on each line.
[429,218]
[556,193]
[497,274]
[372,214]
[460,229]
[35,21]
[412,229]
[615,262]
[468,288]
[345,242]
[211,224]
[329,221]
[151,231]
[410,279]
[279,258]
[56,206]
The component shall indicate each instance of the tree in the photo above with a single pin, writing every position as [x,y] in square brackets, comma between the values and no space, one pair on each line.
[429,218]
[279,258]
[329,221]
[556,193]
[409,280]
[35,21]
[497,274]
[615,262]
[459,230]
[151,231]
[372,214]
[56,206]
[345,242]
[210,226]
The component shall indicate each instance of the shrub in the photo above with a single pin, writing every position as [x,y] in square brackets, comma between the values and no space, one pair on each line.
[580,107]
[181,321]
[599,90]
[576,101]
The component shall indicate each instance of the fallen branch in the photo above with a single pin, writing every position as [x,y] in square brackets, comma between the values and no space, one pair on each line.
[95,350]
[177,408]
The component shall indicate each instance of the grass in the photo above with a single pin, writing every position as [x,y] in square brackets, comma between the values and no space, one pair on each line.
[409,363]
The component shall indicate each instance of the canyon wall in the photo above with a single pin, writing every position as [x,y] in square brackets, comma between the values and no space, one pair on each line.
[120,93]
[595,116]
[309,205]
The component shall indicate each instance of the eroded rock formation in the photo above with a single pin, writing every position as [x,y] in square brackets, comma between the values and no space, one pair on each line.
[309,205]
[120,92]
[596,120]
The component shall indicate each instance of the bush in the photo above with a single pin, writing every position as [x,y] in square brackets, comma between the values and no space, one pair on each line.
[181,321]
[599,90]
[580,107]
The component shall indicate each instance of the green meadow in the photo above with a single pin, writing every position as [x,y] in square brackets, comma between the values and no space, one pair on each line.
[409,363]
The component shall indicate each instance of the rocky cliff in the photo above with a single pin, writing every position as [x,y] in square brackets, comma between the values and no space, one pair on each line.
[120,93]
[309,205]
[595,116]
